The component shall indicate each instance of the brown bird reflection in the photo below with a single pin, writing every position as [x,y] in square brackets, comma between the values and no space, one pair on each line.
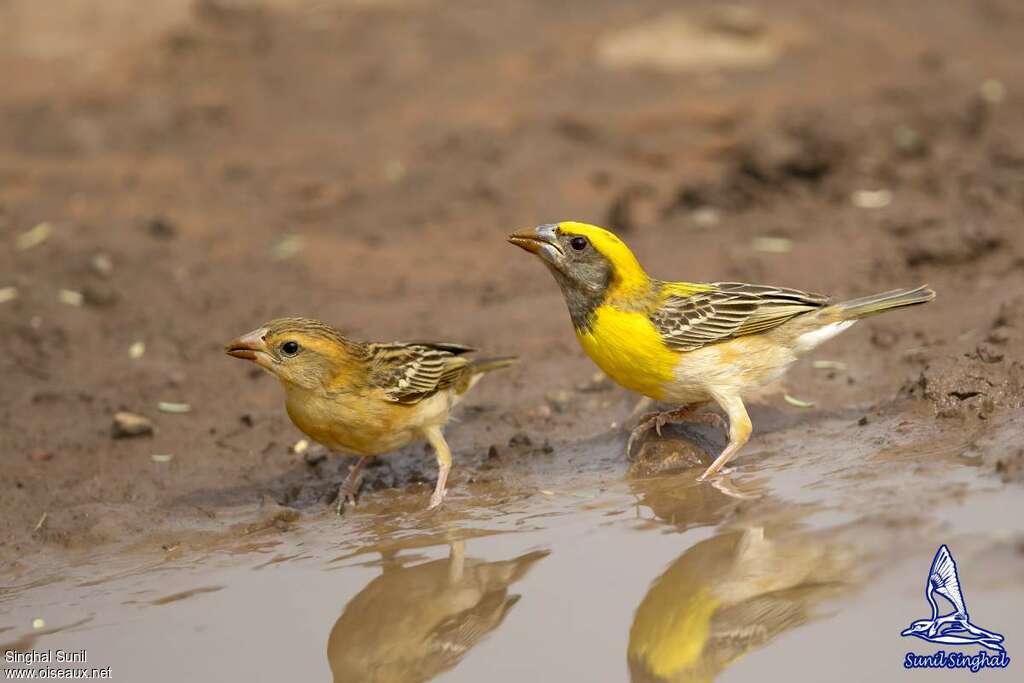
[412,623]
[728,595]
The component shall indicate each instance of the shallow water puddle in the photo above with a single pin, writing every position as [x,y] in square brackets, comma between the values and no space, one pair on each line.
[781,567]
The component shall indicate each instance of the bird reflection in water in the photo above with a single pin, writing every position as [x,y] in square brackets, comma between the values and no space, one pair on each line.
[728,595]
[413,623]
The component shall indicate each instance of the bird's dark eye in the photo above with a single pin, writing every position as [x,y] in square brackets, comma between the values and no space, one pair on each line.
[578,243]
[290,348]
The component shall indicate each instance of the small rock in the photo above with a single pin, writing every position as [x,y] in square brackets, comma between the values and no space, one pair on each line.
[101,264]
[559,400]
[863,421]
[871,199]
[492,452]
[597,382]
[173,407]
[100,296]
[70,297]
[34,237]
[773,245]
[520,439]
[129,425]
[246,419]
[137,350]
[8,294]
[161,228]
[314,456]
[706,217]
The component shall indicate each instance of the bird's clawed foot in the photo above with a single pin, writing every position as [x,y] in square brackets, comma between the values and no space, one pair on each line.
[656,421]
[437,498]
[345,498]
[349,489]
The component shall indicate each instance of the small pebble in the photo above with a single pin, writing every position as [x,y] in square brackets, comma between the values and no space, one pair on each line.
[871,199]
[287,247]
[161,229]
[992,91]
[773,245]
[70,297]
[137,350]
[8,294]
[520,439]
[161,457]
[829,365]
[559,400]
[170,407]
[129,424]
[706,217]
[300,446]
[38,624]
[34,237]
[102,264]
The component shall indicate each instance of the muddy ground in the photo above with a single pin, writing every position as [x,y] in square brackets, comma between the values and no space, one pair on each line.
[175,173]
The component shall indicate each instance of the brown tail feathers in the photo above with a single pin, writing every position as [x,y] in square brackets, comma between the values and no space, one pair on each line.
[876,303]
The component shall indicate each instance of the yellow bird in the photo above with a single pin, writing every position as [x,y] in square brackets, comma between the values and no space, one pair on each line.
[365,398]
[688,343]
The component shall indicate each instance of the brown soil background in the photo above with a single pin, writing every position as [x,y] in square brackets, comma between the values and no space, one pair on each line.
[361,162]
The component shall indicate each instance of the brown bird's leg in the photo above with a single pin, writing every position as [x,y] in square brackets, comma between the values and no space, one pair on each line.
[739,432]
[444,463]
[656,421]
[350,487]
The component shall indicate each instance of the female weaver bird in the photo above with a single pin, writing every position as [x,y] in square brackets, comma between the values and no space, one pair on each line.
[688,343]
[365,398]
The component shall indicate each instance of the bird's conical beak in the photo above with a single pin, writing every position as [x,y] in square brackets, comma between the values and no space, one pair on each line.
[248,346]
[542,241]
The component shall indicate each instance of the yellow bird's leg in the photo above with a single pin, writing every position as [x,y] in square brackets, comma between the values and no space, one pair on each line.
[444,463]
[739,432]
[656,421]
[350,487]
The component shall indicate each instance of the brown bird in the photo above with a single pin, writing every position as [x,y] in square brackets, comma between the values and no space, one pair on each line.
[416,621]
[365,398]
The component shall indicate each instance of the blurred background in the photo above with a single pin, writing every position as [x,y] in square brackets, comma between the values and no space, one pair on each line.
[173,173]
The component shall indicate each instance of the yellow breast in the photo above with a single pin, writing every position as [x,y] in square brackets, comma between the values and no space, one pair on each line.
[628,348]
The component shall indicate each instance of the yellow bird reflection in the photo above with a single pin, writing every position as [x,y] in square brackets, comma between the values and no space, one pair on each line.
[726,596]
[413,623]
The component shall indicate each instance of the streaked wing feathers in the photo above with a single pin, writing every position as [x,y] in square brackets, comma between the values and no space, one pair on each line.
[731,309]
[409,372]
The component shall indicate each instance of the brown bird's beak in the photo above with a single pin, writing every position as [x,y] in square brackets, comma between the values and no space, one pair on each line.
[248,346]
[542,241]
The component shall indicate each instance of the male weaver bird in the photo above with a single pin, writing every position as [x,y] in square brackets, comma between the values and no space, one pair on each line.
[688,343]
[365,398]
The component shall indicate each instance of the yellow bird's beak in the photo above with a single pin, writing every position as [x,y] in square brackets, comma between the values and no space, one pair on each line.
[542,241]
[249,346]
